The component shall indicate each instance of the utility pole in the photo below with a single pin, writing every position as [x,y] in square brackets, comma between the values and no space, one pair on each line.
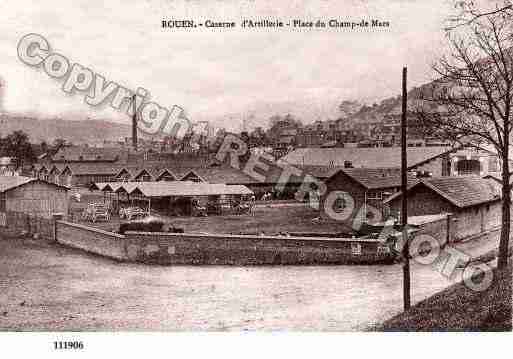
[404,204]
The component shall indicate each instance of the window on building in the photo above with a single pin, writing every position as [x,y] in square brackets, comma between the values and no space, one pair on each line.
[375,195]
[493,164]
[468,167]
[446,167]
[348,164]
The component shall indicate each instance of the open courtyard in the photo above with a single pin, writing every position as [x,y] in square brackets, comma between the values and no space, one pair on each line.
[272,218]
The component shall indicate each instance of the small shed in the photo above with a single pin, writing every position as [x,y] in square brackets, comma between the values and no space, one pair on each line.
[32,196]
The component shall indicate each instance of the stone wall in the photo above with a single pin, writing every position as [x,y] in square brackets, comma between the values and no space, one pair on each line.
[91,239]
[167,248]
[179,248]
[441,227]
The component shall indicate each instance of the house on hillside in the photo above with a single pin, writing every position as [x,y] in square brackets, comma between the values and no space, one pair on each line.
[474,202]
[359,193]
[32,196]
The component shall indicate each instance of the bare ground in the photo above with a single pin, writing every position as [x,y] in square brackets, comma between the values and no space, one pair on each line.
[48,287]
[271,219]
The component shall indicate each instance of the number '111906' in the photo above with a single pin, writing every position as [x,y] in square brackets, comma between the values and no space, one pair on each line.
[73,345]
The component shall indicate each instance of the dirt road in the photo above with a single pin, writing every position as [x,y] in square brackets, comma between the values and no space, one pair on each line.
[49,287]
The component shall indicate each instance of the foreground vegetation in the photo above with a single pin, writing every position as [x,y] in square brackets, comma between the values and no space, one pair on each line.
[458,308]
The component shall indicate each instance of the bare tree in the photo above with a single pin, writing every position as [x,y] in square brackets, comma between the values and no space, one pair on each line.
[472,99]
[468,11]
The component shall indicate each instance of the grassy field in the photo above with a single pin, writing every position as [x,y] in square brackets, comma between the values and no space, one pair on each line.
[458,308]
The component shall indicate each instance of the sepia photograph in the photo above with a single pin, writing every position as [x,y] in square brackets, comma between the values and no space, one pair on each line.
[255,167]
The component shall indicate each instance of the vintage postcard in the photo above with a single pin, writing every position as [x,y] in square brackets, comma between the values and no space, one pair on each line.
[256,166]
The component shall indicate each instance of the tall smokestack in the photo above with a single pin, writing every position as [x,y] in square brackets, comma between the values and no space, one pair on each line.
[134,125]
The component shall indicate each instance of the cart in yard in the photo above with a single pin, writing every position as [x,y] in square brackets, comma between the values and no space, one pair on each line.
[132,213]
[95,212]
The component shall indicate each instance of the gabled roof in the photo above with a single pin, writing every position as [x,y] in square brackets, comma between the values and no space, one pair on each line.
[376,178]
[163,172]
[374,157]
[217,174]
[57,168]
[138,174]
[124,187]
[192,172]
[106,186]
[321,172]
[225,175]
[461,191]
[8,183]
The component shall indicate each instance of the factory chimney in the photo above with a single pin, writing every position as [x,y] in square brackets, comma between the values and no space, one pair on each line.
[134,125]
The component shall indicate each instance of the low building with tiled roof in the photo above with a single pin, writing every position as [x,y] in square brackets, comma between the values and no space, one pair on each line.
[319,172]
[358,193]
[474,202]
[267,181]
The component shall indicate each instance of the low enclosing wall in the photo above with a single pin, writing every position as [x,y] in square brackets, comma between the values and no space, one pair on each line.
[442,229]
[168,248]
[91,239]
[179,248]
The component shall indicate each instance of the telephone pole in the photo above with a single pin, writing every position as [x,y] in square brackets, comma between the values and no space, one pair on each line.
[404,204]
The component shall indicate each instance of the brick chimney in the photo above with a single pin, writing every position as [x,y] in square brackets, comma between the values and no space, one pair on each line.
[134,125]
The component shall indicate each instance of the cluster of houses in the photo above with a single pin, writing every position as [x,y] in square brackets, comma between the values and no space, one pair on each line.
[373,132]
[461,182]
[441,179]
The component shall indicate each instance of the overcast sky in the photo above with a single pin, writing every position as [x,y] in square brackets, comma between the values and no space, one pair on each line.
[224,75]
